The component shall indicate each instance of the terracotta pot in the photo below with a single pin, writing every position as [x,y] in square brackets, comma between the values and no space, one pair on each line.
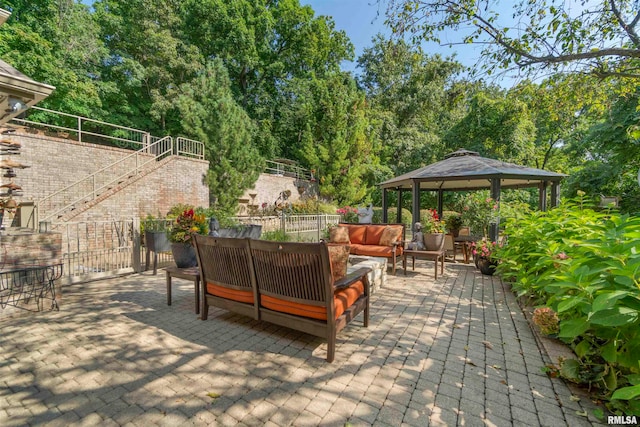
[486,266]
[184,254]
[433,241]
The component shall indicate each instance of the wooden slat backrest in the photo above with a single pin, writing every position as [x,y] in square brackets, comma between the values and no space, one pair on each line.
[297,272]
[225,261]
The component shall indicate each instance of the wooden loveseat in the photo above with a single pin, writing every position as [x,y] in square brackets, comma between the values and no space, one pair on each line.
[377,240]
[289,284]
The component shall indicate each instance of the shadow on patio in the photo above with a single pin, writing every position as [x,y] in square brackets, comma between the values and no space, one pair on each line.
[449,352]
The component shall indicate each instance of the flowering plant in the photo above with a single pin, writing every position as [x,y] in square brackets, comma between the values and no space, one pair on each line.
[479,212]
[186,224]
[547,320]
[348,213]
[432,222]
[483,249]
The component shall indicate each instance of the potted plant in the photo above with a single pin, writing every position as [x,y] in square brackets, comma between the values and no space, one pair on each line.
[183,228]
[454,223]
[483,254]
[154,231]
[433,229]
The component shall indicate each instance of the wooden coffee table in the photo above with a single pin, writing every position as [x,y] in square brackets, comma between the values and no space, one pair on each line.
[432,255]
[191,273]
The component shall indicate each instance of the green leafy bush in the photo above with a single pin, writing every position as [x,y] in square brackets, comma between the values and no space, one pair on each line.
[276,236]
[585,265]
[392,216]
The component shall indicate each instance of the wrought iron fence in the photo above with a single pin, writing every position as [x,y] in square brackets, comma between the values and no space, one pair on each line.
[101,249]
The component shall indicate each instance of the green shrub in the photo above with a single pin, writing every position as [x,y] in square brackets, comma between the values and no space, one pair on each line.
[585,265]
[392,216]
[275,236]
[312,206]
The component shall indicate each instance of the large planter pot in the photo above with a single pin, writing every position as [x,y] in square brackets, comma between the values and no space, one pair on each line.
[157,241]
[184,254]
[433,241]
[486,266]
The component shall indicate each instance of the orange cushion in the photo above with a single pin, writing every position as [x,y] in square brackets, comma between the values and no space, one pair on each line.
[339,234]
[343,299]
[339,257]
[374,250]
[390,235]
[357,233]
[374,232]
[232,294]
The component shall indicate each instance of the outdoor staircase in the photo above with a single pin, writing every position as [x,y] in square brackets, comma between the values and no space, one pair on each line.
[80,196]
[88,203]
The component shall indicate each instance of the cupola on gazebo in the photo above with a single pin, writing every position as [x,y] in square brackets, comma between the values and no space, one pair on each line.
[465,170]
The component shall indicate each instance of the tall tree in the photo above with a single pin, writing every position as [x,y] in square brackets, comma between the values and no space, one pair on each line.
[497,126]
[413,98]
[148,60]
[327,118]
[211,115]
[264,44]
[56,42]
[599,37]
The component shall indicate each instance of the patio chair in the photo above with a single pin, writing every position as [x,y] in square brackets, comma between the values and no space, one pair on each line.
[226,272]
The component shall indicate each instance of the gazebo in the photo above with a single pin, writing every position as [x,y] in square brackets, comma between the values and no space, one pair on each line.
[465,170]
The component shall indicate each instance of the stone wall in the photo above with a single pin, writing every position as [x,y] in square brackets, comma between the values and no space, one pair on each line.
[268,188]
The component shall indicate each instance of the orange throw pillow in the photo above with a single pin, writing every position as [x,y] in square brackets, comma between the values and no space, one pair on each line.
[389,236]
[339,256]
[339,234]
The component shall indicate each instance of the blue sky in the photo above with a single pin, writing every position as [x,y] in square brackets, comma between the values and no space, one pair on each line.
[363,19]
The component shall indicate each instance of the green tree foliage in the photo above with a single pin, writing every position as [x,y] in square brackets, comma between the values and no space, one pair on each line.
[612,151]
[265,45]
[210,114]
[597,37]
[496,126]
[332,136]
[413,98]
[148,59]
[56,42]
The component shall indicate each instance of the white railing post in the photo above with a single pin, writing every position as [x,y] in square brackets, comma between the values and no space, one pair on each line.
[79,129]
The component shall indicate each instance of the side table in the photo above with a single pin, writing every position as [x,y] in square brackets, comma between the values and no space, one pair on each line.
[190,273]
[430,255]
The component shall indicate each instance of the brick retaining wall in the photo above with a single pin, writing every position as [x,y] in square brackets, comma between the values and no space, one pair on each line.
[57,162]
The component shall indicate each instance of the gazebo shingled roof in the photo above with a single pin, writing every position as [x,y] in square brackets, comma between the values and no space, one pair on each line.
[466,170]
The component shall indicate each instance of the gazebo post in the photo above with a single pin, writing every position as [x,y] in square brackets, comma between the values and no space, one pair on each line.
[384,205]
[415,208]
[555,194]
[542,200]
[399,207]
[495,195]
[440,202]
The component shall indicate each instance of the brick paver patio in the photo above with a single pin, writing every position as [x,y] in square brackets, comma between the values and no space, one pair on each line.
[456,351]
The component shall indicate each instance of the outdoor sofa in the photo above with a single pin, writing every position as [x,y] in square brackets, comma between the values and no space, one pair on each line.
[295,285]
[375,240]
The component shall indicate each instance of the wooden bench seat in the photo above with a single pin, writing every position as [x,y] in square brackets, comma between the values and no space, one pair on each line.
[288,284]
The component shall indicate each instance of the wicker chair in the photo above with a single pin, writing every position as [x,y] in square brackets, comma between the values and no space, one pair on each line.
[227,275]
[296,289]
